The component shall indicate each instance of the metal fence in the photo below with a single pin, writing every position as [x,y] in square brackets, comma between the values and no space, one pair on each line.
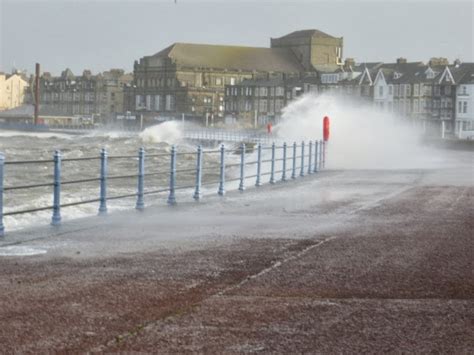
[295,160]
[228,135]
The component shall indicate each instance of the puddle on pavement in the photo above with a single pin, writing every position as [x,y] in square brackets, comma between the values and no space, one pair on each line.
[17,250]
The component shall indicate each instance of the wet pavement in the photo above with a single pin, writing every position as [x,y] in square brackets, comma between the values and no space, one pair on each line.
[338,262]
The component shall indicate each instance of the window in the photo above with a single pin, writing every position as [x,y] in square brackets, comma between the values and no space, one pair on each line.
[278,105]
[380,90]
[427,90]
[464,107]
[157,103]
[390,90]
[408,90]
[148,102]
[396,90]
[416,106]
[248,105]
[232,81]
[447,90]
[436,90]
[416,90]
[169,105]
[138,101]
[464,90]
[459,106]
[218,81]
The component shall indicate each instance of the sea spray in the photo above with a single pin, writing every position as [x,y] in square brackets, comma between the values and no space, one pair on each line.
[170,132]
[362,137]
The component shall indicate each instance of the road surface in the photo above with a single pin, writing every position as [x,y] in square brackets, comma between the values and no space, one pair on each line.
[339,262]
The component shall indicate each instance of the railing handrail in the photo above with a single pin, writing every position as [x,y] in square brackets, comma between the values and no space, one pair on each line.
[309,163]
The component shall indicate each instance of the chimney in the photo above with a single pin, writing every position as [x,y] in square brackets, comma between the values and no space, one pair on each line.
[457,63]
[438,62]
[348,63]
[401,60]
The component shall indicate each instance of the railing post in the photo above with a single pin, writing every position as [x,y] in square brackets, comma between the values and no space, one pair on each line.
[2,164]
[56,220]
[283,174]
[302,159]
[316,152]
[242,168]
[141,177]
[310,158]
[321,152]
[221,190]
[171,196]
[272,172]
[103,182]
[259,164]
[324,154]
[293,170]
[197,191]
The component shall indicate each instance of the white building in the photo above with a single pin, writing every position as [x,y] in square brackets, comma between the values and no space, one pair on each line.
[465,103]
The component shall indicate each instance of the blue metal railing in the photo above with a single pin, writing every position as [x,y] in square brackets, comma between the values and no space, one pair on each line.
[228,135]
[315,162]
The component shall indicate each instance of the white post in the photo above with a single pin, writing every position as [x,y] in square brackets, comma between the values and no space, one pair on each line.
[443,129]
[182,117]
[460,129]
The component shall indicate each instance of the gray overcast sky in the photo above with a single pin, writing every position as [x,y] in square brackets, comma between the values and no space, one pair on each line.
[105,34]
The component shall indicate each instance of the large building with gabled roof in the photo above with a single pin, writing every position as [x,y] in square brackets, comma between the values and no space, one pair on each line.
[190,78]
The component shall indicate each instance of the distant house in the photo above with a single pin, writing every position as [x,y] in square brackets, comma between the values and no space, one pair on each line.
[463,76]
[12,90]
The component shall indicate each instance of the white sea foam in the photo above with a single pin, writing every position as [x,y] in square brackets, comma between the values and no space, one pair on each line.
[168,132]
[9,133]
[17,250]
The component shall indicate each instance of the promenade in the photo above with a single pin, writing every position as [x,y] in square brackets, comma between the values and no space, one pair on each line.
[336,262]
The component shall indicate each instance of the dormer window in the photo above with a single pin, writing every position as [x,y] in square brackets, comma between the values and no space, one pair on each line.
[430,74]
[397,75]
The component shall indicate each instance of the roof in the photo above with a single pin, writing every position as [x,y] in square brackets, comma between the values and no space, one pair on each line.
[410,72]
[307,33]
[232,57]
[360,67]
[464,73]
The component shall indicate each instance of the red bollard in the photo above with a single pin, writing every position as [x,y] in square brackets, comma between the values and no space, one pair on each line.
[326,128]
[269,127]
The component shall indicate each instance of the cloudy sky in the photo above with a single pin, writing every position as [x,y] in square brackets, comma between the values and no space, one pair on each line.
[103,34]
